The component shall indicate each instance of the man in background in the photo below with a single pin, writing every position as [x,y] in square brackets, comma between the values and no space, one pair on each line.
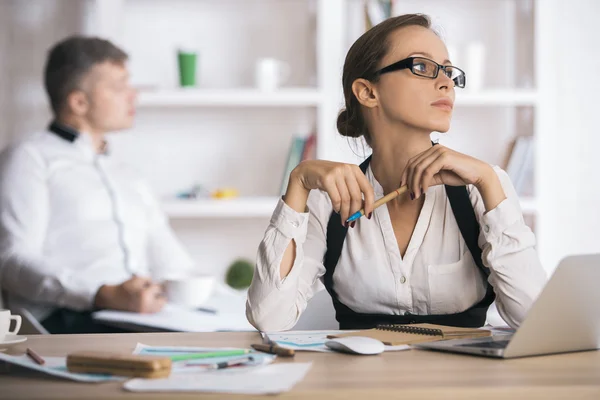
[78,230]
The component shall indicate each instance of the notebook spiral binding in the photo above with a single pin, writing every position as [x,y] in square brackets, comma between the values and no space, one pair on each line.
[411,329]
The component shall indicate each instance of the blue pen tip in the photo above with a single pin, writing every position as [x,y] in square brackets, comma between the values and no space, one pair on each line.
[354,217]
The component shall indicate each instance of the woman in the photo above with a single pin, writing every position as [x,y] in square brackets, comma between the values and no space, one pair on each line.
[418,258]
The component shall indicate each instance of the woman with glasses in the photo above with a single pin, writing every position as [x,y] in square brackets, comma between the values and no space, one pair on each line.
[440,253]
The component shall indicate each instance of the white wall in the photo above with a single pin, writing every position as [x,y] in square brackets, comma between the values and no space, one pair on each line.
[570,191]
[28,29]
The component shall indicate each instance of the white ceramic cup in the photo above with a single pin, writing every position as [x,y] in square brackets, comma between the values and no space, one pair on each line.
[5,319]
[191,291]
[271,73]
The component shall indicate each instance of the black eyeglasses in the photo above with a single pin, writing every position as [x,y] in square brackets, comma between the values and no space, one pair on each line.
[427,68]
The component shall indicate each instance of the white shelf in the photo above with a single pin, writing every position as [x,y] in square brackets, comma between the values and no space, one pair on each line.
[243,207]
[229,98]
[252,207]
[497,98]
[528,205]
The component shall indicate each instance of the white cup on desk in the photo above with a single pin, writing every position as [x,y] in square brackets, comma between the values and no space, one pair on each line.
[271,73]
[189,292]
[5,319]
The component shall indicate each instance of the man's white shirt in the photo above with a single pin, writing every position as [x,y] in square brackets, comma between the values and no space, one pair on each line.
[72,220]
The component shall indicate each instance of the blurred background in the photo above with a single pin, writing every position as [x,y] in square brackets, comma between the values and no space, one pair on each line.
[266,90]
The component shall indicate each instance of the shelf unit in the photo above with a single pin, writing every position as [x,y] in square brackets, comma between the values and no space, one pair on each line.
[294,97]
[318,100]
[304,97]
[250,207]
[247,207]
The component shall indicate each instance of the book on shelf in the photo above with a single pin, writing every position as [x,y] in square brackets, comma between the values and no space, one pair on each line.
[520,165]
[302,148]
[377,11]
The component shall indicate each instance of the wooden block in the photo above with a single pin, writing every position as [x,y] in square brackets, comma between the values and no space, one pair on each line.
[141,366]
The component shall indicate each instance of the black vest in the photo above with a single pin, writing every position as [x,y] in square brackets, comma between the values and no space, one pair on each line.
[469,228]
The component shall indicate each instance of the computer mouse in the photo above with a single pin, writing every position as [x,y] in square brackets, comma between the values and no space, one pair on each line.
[356,345]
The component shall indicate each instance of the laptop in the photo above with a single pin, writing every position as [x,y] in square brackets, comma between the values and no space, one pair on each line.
[564,318]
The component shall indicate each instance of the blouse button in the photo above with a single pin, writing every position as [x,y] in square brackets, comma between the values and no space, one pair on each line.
[486,228]
[295,224]
[403,279]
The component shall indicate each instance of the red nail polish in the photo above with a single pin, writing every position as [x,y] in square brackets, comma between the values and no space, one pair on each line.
[346,224]
[370,215]
[353,223]
[412,196]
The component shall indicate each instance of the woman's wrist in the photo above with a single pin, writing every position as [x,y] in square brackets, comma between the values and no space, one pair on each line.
[490,188]
[296,195]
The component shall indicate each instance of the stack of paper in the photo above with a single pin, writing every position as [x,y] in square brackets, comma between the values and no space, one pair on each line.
[258,376]
[255,377]
[178,319]
[199,365]
[230,316]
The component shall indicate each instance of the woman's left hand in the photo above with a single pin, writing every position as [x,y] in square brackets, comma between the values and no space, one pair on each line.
[440,165]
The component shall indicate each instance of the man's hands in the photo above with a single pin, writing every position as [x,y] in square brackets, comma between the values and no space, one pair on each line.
[137,294]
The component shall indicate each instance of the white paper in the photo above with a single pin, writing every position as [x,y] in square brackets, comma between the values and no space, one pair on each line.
[269,379]
[200,365]
[57,366]
[230,316]
[313,340]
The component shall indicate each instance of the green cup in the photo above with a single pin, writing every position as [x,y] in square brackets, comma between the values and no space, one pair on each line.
[187,68]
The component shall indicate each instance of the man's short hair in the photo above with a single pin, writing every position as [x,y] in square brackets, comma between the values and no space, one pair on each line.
[70,60]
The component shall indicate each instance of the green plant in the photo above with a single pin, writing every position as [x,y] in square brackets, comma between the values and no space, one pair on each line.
[239,274]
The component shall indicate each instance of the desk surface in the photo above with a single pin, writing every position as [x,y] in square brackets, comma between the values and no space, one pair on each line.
[407,374]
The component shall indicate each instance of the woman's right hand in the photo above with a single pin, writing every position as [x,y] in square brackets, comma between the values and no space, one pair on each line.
[347,186]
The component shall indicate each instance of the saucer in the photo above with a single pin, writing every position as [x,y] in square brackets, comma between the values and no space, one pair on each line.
[12,339]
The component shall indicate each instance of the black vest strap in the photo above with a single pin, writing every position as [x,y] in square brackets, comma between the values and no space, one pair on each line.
[469,228]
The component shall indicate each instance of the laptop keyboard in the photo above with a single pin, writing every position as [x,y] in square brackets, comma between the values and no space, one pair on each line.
[496,344]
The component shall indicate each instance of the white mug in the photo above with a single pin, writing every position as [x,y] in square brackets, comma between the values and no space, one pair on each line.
[5,319]
[191,291]
[271,73]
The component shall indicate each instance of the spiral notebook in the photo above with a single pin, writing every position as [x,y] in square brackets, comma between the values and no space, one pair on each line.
[394,335]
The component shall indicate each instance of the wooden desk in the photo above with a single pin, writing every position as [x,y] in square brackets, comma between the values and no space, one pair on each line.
[407,375]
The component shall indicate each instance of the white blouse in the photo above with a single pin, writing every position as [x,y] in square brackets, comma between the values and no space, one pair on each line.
[437,274]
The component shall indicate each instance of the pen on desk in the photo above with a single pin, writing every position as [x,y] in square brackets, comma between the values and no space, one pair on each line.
[206,310]
[230,363]
[274,349]
[380,202]
[214,354]
[35,357]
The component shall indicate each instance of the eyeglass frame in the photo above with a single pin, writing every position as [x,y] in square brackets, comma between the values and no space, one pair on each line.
[408,63]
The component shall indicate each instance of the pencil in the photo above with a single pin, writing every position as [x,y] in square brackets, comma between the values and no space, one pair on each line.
[35,357]
[381,201]
[274,349]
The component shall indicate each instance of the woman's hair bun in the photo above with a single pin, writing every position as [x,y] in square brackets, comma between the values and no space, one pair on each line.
[349,125]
